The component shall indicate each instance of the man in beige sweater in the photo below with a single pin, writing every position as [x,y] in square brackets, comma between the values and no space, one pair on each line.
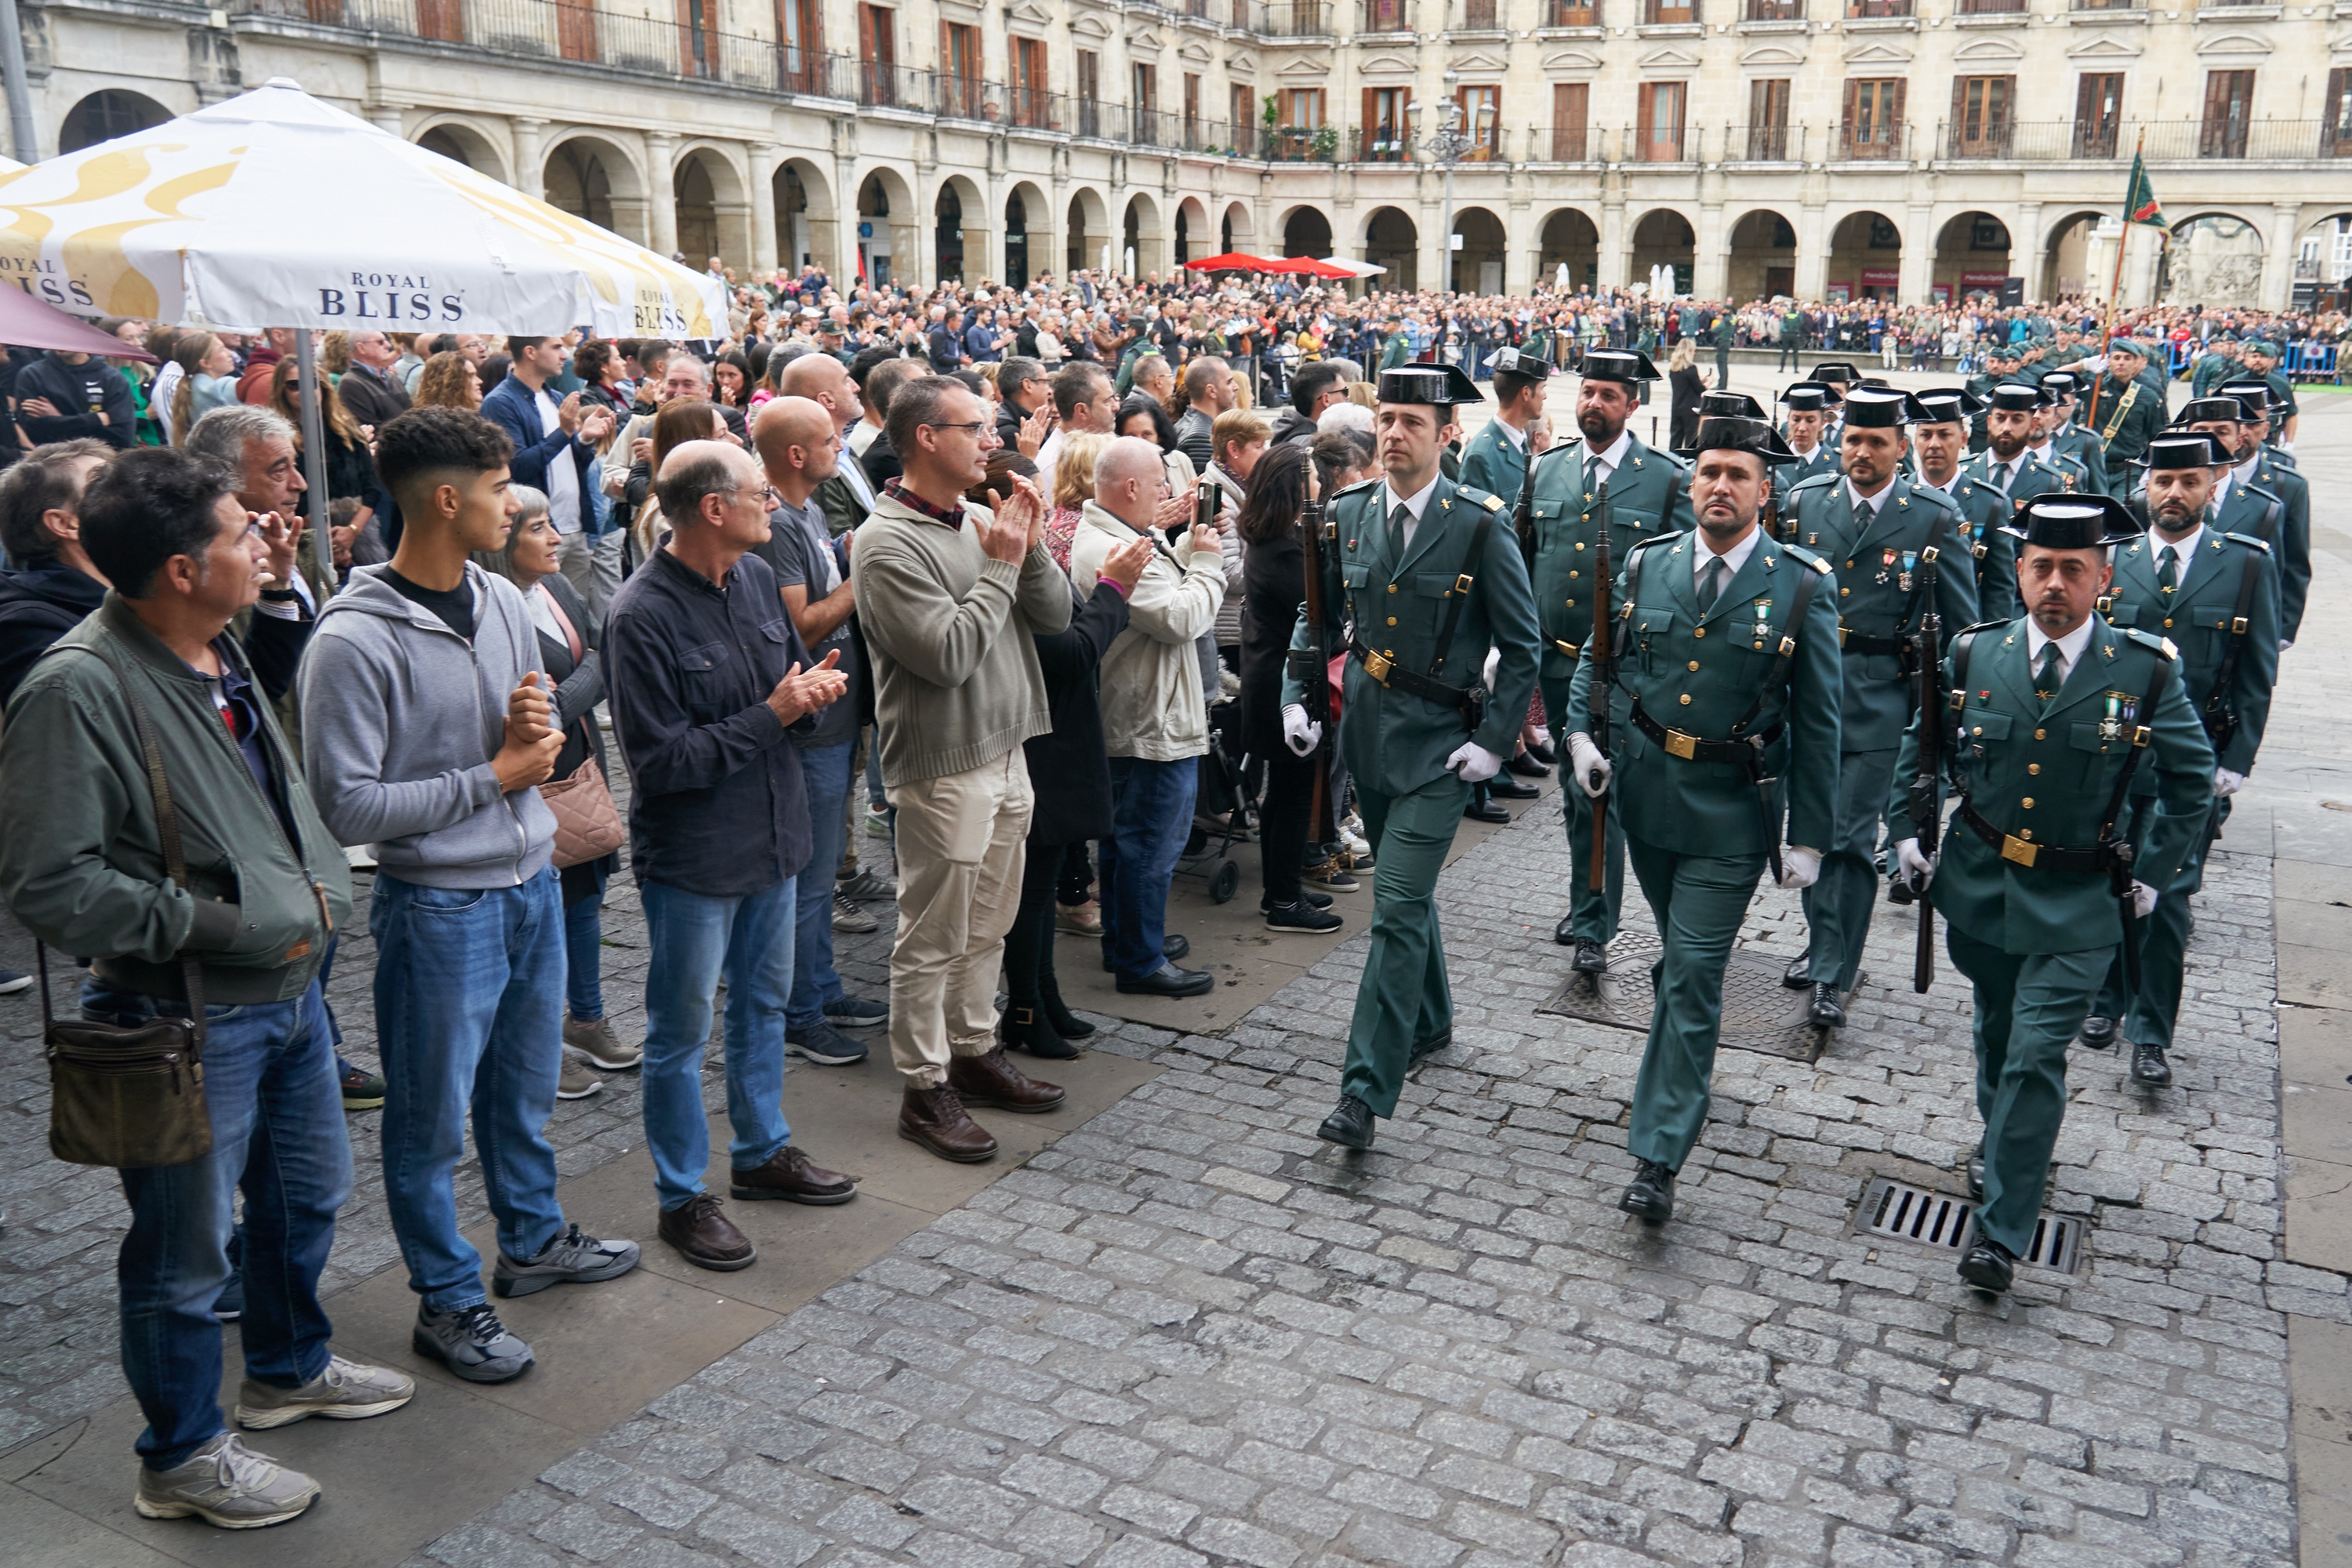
[950,597]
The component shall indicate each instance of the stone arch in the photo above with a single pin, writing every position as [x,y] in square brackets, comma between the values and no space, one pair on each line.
[1141,232]
[1568,238]
[1306,231]
[1762,256]
[462,143]
[109,112]
[1865,260]
[1086,229]
[2215,258]
[1663,236]
[597,179]
[1236,229]
[808,226]
[1478,268]
[2066,264]
[958,217]
[2323,258]
[1028,233]
[1192,234]
[1392,240]
[1975,252]
[713,207]
[889,229]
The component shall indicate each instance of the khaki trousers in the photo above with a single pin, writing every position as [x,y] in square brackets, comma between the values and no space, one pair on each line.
[961,849]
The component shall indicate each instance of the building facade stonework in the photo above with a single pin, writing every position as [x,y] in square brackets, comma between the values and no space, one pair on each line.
[1902,149]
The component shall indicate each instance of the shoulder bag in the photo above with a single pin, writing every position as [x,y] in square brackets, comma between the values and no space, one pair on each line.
[587,822]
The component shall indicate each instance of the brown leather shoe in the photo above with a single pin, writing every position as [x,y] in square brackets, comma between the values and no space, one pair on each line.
[935,1119]
[706,1236]
[992,1079]
[795,1177]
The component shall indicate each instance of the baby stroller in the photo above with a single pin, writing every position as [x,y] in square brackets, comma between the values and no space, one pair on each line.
[1224,813]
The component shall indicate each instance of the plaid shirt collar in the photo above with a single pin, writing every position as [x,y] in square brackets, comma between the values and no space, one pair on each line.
[947,517]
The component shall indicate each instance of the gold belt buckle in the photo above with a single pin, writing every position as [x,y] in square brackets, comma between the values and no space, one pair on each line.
[1377,666]
[1567,647]
[2022,850]
[1681,745]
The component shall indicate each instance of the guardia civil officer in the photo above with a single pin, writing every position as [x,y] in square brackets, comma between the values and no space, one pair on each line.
[1726,697]
[2067,438]
[2127,407]
[1647,495]
[1808,403]
[1878,530]
[2043,443]
[1939,439]
[2008,463]
[2265,467]
[2262,361]
[1429,576]
[2213,593]
[1495,458]
[2049,712]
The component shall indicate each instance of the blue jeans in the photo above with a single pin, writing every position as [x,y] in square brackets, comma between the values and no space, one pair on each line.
[278,1131]
[825,772]
[694,939]
[469,1013]
[584,959]
[1150,817]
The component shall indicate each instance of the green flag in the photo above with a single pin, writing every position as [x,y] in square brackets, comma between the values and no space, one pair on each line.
[2140,204]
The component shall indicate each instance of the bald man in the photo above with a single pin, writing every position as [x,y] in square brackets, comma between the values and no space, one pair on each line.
[846,496]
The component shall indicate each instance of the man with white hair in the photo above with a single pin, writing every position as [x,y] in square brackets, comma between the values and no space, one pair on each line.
[1155,717]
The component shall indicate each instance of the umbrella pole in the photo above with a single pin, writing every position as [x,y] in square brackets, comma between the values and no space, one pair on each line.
[12,75]
[314,458]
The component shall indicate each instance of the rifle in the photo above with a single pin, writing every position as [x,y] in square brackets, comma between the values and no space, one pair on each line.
[1598,646]
[1926,802]
[1523,520]
[1314,670]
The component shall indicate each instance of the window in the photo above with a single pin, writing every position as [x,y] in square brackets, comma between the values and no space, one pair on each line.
[1145,88]
[1572,13]
[1873,117]
[444,21]
[1767,120]
[1387,16]
[1302,108]
[1482,115]
[1032,104]
[877,50]
[2229,105]
[1668,13]
[1243,101]
[1089,93]
[1658,131]
[1980,115]
[575,29]
[2098,114]
[1191,105]
[959,70]
[1384,130]
[2336,131]
[698,25]
[1572,112]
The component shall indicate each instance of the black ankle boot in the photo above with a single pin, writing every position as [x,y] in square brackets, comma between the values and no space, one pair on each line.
[1024,1028]
[1066,1024]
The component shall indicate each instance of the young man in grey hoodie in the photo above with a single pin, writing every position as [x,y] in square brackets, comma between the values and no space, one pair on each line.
[425,731]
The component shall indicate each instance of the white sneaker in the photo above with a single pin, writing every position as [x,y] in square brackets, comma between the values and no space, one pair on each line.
[577,1082]
[346,1391]
[228,1484]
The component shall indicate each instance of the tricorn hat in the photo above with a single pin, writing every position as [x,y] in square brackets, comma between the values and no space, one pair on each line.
[1807,396]
[1522,361]
[1438,385]
[2208,410]
[1628,365]
[1739,433]
[2015,396]
[1944,406]
[2185,449]
[2075,521]
[1868,408]
[1837,372]
[2254,394]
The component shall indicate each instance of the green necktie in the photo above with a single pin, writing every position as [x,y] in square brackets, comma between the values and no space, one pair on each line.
[1710,582]
[1397,519]
[2168,569]
[2046,679]
[1593,479]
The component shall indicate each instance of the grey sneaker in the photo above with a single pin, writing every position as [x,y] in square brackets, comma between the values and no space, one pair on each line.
[471,1342]
[570,1259]
[346,1391]
[824,1044]
[865,885]
[577,1082]
[228,1484]
[596,1041]
[848,917]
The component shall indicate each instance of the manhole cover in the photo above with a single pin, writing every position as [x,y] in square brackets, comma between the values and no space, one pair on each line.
[1897,1211]
[1760,1014]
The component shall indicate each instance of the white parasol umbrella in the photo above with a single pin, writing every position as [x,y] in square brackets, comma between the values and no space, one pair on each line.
[276,208]
[1360,268]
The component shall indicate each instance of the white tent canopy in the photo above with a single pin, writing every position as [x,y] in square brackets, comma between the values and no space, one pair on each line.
[274,209]
[1360,268]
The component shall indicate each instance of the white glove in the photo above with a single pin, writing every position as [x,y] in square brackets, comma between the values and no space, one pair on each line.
[2287,447]
[1800,867]
[1301,735]
[1494,662]
[2226,784]
[1591,770]
[2143,900]
[1474,763]
[1917,868]
[2285,645]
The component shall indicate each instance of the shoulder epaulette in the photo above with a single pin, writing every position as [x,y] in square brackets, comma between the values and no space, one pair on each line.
[1473,496]
[1361,485]
[1554,450]
[1815,482]
[1648,540]
[1984,627]
[2249,542]
[2267,495]
[2161,646]
[1818,564]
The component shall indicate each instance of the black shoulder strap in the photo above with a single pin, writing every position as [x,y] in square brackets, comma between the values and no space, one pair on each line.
[1776,674]
[2218,701]
[1459,594]
[2142,735]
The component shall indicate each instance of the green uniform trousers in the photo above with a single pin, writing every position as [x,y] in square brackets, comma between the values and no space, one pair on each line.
[2029,1007]
[2150,1017]
[1699,901]
[1402,999]
[1838,905]
[1595,913]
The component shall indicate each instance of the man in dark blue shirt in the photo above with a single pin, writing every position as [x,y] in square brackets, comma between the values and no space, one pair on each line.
[710,681]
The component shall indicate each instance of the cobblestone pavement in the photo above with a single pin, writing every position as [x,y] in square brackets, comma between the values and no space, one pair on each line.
[1190,1334]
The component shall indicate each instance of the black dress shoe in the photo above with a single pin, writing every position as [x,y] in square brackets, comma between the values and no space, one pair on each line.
[1482,809]
[1976,1174]
[1989,1265]
[2098,1033]
[1351,1125]
[1503,786]
[1564,933]
[1826,1012]
[1650,1194]
[2148,1066]
[1175,947]
[1169,981]
[1429,1047]
[1543,752]
[1591,958]
[1800,973]
[1899,892]
[1526,768]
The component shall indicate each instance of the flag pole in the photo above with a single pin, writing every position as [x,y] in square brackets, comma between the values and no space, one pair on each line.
[2114,288]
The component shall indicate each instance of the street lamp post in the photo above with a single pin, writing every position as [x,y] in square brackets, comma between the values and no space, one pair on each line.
[1447,145]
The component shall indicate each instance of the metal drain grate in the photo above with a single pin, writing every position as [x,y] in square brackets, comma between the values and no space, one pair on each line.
[1901,1211]
[1760,1014]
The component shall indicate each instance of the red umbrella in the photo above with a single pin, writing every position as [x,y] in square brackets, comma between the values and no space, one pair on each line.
[1233,261]
[34,325]
[1309,266]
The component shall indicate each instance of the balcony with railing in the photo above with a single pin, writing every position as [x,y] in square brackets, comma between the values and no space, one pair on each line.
[1477,15]
[1878,10]
[1379,145]
[1991,8]
[1297,144]
[1880,144]
[1764,144]
[1660,144]
[1564,144]
[1569,13]
[1293,19]
[1766,11]
[2080,7]
[1385,16]
[1669,13]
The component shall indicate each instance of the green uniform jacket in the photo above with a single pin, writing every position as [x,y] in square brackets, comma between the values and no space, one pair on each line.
[1787,476]
[2128,416]
[2211,370]
[1874,581]
[2242,512]
[1394,743]
[1495,463]
[1698,674]
[2282,404]
[1648,495]
[2087,449]
[2050,772]
[2068,465]
[81,863]
[1983,510]
[2036,478]
[2197,616]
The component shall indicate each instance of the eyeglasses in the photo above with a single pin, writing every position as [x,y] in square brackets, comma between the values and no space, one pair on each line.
[976,427]
[765,492]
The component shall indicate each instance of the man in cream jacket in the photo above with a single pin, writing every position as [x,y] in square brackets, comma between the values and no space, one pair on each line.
[1155,720]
